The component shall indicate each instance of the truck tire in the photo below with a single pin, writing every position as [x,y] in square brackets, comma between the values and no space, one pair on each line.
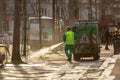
[76,57]
[96,56]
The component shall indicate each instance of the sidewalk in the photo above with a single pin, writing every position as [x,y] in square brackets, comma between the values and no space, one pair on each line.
[25,71]
[31,55]
[116,70]
[107,52]
[38,72]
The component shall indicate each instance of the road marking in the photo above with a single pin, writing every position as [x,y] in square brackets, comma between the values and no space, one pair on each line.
[108,65]
[111,78]
[24,65]
[105,64]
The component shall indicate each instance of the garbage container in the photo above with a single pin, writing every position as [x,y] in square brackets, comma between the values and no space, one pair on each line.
[88,43]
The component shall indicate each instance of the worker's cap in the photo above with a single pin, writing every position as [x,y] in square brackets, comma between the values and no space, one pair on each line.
[68,27]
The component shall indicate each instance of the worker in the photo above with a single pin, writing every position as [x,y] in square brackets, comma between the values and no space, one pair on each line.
[107,35]
[69,38]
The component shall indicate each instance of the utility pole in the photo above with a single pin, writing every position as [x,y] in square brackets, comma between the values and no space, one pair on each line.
[40,29]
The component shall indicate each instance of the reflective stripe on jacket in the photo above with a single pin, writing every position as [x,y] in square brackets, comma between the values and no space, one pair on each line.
[69,38]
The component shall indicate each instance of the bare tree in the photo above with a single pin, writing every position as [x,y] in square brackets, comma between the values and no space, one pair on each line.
[16,59]
[25,26]
[3,15]
[73,10]
[54,16]
[40,28]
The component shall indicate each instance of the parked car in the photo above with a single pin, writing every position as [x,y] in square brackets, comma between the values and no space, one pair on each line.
[9,37]
[1,38]
[10,34]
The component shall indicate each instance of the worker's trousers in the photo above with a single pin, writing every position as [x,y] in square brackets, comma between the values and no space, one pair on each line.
[69,49]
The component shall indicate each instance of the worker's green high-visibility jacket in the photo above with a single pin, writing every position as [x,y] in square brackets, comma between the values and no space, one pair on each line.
[69,38]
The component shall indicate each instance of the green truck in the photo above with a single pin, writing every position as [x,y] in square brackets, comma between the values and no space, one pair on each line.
[88,41]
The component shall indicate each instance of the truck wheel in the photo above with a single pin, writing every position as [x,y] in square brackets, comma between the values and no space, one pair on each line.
[76,57]
[96,56]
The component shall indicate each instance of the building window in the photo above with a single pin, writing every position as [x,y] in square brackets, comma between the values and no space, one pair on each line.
[44,12]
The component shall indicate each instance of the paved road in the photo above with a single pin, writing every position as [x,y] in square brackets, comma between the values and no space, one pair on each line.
[57,68]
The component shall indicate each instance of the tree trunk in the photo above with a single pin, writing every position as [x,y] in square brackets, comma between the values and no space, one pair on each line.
[2,15]
[40,28]
[54,16]
[71,12]
[25,28]
[16,59]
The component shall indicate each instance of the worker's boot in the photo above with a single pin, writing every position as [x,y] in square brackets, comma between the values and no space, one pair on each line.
[69,60]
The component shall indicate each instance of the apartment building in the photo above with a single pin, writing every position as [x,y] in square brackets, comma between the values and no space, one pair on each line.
[88,9]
